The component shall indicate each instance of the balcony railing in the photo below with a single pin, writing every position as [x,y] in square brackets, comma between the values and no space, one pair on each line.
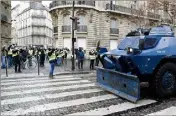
[121,8]
[56,29]
[114,31]
[4,18]
[66,28]
[153,15]
[61,3]
[131,11]
[82,28]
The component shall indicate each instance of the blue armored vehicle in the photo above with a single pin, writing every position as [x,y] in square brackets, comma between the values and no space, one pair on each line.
[150,57]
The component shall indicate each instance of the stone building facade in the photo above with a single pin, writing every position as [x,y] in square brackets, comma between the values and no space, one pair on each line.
[5,22]
[33,25]
[107,21]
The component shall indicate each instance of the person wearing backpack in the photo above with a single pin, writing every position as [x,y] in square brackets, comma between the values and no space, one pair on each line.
[80,58]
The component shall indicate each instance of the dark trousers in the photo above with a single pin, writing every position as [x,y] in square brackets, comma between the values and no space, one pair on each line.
[92,64]
[42,59]
[97,61]
[17,63]
[80,63]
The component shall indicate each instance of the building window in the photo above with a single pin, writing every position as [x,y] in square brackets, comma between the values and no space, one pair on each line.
[114,26]
[67,43]
[82,27]
[81,42]
[66,20]
[66,24]
[113,44]
[82,20]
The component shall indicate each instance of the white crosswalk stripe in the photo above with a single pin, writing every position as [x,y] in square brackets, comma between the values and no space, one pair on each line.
[44,84]
[40,108]
[114,108]
[43,90]
[47,96]
[168,111]
[31,79]
[40,81]
[15,76]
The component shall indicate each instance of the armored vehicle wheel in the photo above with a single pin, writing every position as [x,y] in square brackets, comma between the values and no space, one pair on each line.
[164,81]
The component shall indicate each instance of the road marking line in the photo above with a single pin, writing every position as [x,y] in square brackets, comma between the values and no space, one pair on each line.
[168,111]
[50,106]
[114,108]
[39,81]
[20,75]
[46,89]
[48,96]
[31,79]
[43,84]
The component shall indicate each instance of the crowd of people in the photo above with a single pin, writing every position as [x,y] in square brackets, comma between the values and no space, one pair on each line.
[17,56]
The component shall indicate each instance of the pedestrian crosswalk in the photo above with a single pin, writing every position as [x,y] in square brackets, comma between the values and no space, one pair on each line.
[64,95]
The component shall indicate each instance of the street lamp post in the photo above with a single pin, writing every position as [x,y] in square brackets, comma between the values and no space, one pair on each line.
[73,40]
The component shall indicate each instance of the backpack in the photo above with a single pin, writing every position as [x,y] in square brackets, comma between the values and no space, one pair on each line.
[81,54]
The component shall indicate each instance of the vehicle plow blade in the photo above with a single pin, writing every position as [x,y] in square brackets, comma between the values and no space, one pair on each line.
[123,85]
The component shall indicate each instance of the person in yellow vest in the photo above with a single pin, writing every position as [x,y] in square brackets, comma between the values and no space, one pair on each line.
[9,56]
[92,56]
[16,59]
[59,57]
[30,54]
[52,61]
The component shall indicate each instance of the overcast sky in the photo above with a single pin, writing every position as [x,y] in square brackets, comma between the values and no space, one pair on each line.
[14,3]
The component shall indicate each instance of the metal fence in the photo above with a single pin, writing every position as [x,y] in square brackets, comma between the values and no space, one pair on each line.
[66,28]
[61,3]
[82,28]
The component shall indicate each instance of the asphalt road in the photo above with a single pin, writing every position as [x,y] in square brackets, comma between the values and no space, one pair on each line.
[29,94]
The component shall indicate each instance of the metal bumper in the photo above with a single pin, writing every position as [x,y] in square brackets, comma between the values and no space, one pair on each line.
[123,85]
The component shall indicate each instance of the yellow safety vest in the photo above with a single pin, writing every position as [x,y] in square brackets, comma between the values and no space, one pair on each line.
[30,52]
[52,57]
[46,52]
[36,52]
[14,54]
[92,57]
[39,53]
[10,52]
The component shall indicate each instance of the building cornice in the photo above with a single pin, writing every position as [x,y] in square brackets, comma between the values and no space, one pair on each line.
[99,10]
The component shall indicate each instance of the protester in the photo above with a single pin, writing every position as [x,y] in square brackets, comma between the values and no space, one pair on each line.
[92,56]
[3,57]
[97,56]
[42,57]
[9,56]
[80,58]
[52,60]
[16,59]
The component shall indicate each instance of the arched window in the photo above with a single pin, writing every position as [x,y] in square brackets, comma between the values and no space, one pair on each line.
[66,20]
[114,23]
[82,20]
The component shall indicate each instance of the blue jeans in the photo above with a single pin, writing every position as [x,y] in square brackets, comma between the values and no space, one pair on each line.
[59,61]
[52,66]
[3,62]
[9,61]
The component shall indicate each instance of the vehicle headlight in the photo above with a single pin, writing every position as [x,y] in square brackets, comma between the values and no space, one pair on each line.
[130,50]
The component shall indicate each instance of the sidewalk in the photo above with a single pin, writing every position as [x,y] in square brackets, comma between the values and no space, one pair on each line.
[59,70]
